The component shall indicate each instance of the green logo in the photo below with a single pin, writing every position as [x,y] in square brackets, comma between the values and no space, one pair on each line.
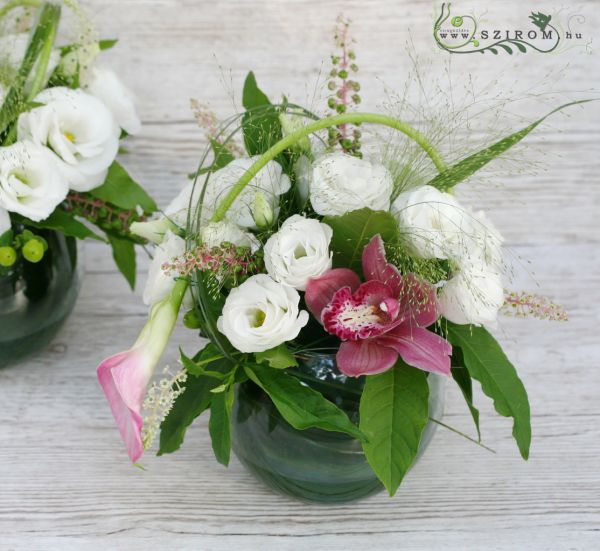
[465,34]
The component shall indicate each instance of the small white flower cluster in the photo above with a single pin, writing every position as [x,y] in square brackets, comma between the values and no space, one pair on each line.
[67,142]
[159,401]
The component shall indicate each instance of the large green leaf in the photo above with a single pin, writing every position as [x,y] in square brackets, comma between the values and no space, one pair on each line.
[468,166]
[123,191]
[487,363]
[353,231]
[393,414]
[124,255]
[61,221]
[463,379]
[195,399]
[301,406]
[219,425]
[260,125]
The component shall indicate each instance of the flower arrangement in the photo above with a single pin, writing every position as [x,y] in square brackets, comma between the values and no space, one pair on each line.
[299,243]
[62,119]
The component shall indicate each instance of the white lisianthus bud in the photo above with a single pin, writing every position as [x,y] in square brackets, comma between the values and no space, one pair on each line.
[30,182]
[343,183]
[270,181]
[303,171]
[290,123]
[80,60]
[262,212]
[159,283]
[473,295]
[261,314]
[298,251]
[216,233]
[5,224]
[153,230]
[79,129]
[435,225]
[105,85]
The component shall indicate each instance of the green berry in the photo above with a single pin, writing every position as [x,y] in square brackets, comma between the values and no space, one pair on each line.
[331,85]
[340,108]
[8,256]
[33,251]
[191,320]
[331,103]
[342,73]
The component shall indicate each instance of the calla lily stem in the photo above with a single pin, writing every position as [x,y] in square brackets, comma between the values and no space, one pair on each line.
[336,120]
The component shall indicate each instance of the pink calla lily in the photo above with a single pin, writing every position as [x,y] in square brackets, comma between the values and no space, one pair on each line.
[381,319]
[125,376]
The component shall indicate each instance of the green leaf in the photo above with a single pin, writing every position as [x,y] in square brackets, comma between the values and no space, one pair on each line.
[393,414]
[353,231]
[252,95]
[209,355]
[195,399]
[219,425]
[279,357]
[487,363]
[301,406]
[121,190]
[461,375]
[222,155]
[107,43]
[6,239]
[62,221]
[260,124]
[470,165]
[124,255]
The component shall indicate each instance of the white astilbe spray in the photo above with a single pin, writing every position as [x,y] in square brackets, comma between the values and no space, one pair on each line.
[159,401]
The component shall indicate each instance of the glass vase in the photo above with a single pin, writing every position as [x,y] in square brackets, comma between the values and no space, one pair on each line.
[313,465]
[35,299]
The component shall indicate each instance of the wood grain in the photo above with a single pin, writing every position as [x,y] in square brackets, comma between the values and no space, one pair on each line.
[65,482]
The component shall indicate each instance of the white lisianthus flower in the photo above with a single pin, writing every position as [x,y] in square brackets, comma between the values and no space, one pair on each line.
[160,284]
[343,183]
[473,295]
[105,85]
[298,251]
[30,182]
[12,51]
[215,233]
[268,185]
[436,225]
[79,129]
[261,314]
[5,224]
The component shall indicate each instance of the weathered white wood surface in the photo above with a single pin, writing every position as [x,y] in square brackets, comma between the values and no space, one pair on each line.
[65,482]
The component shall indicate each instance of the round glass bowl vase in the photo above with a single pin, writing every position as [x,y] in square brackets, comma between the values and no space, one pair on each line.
[35,299]
[313,465]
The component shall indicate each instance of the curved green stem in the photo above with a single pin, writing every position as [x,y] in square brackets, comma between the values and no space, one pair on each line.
[322,124]
[18,3]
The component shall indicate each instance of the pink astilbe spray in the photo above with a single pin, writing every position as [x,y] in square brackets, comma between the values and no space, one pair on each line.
[522,304]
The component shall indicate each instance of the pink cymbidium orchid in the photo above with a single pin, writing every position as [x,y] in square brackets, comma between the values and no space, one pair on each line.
[124,377]
[381,319]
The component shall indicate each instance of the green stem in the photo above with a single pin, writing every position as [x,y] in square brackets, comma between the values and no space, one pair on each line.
[456,431]
[39,78]
[322,124]
[18,3]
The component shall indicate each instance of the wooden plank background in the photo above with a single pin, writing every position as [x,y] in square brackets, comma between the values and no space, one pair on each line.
[65,482]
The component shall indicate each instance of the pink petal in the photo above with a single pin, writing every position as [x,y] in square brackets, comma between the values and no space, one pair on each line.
[376,267]
[320,290]
[368,312]
[355,358]
[124,378]
[419,347]
[418,301]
